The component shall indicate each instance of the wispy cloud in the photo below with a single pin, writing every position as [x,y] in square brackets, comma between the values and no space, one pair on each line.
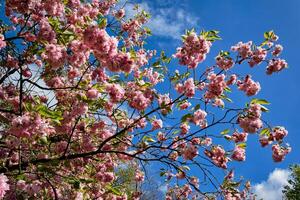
[169,18]
[271,189]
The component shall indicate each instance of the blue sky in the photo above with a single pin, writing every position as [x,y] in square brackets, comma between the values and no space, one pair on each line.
[243,21]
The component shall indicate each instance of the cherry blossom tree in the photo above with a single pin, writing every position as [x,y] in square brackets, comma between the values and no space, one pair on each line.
[81,98]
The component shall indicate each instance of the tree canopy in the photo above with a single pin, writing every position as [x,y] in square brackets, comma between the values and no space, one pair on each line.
[86,106]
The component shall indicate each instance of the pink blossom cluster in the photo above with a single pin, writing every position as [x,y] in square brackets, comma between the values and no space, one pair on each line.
[80,53]
[184,105]
[278,134]
[276,65]
[92,93]
[188,88]
[244,49]
[218,156]
[2,42]
[116,92]
[82,13]
[248,86]
[27,126]
[238,154]
[105,5]
[199,118]
[258,55]
[184,128]
[53,7]
[224,62]
[251,122]
[277,50]
[153,76]
[190,152]
[216,86]
[279,152]
[4,186]
[46,33]
[139,99]
[157,124]
[139,176]
[119,14]
[55,55]
[179,192]
[239,137]
[165,102]
[193,51]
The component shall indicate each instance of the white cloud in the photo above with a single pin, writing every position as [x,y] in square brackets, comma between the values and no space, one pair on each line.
[168,19]
[271,189]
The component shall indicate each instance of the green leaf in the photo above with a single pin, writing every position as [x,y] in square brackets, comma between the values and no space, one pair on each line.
[21,177]
[265,131]
[185,117]
[260,101]
[162,173]
[264,109]
[227,89]
[47,113]
[197,107]
[242,145]
[148,139]
[155,64]
[185,168]
[225,131]
[102,23]
[114,190]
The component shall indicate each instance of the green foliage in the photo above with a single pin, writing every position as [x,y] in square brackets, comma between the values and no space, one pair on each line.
[125,180]
[292,191]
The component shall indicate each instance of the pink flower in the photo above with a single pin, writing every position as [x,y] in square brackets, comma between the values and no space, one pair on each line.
[249,86]
[251,121]
[199,117]
[184,105]
[190,152]
[276,65]
[238,154]
[139,176]
[92,93]
[165,102]
[232,80]
[216,86]
[279,152]
[277,50]
[184,128]
[105,177]
[264,141]
[157,124]
[239,137]
[219,102]
[224,63]
[279,133]
[119,14]
[217,154]
[55,55]
[189,87]
[193,51]
[258,56]
[3,185]
[244,49]
[161,136]
[139,100]
[116,92]
[2,42]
